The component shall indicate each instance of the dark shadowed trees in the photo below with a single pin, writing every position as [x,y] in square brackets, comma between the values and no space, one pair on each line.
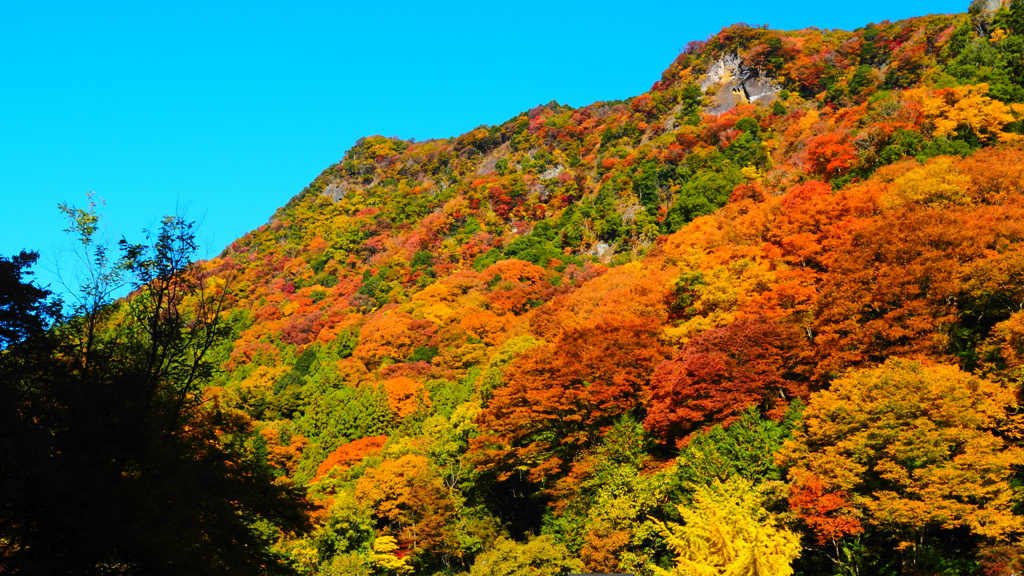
[112,460]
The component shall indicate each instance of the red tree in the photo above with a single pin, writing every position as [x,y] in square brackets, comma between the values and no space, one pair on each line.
[722,372]
[559,397]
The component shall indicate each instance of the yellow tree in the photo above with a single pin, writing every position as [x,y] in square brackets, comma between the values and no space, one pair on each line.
[539,556]
[728,532]
[908,450]
[967,106]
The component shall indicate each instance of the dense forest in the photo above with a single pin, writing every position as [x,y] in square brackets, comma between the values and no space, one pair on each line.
[766,318]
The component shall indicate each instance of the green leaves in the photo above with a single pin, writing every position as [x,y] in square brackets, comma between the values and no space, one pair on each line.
[744,449]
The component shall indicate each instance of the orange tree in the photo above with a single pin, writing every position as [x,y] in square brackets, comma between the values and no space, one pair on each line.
[560,397]
[906,454]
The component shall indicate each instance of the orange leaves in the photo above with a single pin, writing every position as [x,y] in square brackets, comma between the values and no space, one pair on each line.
[635,290]
[886,290]
[393,336]
[895,284]
[830,155]
[515,286]
[411,501]
[560,396]
[284,457]
[391,487]
[828,514]
[351,453]
[405,395]
[486,326]
[997,175]
[807,72]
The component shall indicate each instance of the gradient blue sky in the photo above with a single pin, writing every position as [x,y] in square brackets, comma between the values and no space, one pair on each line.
[227,109]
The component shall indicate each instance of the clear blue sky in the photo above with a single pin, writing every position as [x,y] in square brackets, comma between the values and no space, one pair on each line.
[228,109]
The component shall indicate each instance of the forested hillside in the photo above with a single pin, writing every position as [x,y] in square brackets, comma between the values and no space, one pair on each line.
[766,318]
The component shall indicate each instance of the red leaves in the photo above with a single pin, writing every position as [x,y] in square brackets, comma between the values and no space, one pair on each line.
[719,374]
[828,514]
[801,194]
[560,396]
[299,328]
[829,155]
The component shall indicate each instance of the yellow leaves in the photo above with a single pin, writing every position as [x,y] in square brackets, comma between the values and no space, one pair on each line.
[384,557]
[441,301]
[806,121]
[513,347]
[382,148]
[449,436]
[539,556]
[291,306]
[751,174]
[720,296]
[263,377]
[939,184]
[966,106]
[728,532]
[913,446]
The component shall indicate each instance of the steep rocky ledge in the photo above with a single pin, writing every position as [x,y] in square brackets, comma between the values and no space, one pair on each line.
[737,84]
[983,12]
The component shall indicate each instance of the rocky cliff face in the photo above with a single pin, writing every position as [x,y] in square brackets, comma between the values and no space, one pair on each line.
[983,11]
[737,84]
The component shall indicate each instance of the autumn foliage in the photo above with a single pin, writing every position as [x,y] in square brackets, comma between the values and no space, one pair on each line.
[577,321]
[560,396]
[721,373]
[906,447]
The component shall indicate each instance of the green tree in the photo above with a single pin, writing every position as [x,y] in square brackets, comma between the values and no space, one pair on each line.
[24,307]
[705,193]
[745,448]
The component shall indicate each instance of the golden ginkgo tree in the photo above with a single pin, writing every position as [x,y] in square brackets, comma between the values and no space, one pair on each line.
[727,531]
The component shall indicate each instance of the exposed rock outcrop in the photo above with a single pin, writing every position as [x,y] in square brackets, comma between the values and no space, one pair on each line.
[737,84]
[982,12]
[337,190]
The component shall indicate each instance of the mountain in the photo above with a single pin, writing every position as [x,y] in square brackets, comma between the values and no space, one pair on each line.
[765,317]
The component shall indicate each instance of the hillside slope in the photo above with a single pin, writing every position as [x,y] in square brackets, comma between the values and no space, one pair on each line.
[519,346]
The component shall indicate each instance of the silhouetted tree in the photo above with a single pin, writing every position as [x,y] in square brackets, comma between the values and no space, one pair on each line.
[112,461]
